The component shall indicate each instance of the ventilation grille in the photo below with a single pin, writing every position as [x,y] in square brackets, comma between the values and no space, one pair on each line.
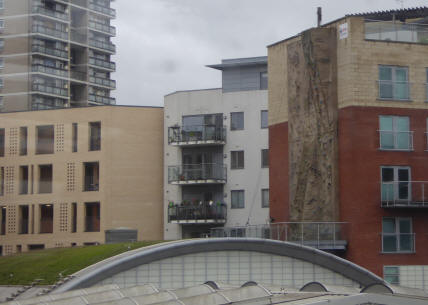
[10,179]
[63,218]
[71,181]
[13,141]
[59,134]
[11,223]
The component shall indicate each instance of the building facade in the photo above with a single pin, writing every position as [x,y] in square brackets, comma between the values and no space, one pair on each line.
[68,175]
[216,152]
[348,119]
[55,54]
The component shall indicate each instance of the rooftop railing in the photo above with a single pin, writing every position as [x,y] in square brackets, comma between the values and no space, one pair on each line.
[102,63]
[396,31]
[404,194]
[203,212]
[197,173]
[197,134]
[49,51]
[41,29]
[320,235]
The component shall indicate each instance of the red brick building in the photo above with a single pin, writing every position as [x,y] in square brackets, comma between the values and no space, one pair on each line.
[348,119]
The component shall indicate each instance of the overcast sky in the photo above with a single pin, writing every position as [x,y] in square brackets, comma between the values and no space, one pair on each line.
[164,45]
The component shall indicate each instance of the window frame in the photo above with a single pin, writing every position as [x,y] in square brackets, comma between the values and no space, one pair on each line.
[393,82]
[395,133]
[392,274]
[235,115]
[262,152]
[234,159]
[264,80]
[239,204]
[266,125]
[397,234]
[395,183]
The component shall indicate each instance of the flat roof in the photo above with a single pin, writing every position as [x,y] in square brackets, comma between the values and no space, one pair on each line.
[240,62]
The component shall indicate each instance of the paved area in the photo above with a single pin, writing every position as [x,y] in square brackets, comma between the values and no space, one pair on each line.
[9,291]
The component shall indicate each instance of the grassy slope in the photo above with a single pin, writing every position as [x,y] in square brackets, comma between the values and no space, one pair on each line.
[47,264]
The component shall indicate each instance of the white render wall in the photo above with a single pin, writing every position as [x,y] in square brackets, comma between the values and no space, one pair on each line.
[253,178]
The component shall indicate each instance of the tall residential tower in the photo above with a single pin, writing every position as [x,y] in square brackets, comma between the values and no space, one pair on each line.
[55,54]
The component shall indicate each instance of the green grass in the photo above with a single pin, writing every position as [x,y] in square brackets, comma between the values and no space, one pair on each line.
[22,269]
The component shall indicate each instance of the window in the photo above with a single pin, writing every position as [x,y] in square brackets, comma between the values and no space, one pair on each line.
[46,218]
[45,179]
[393,83]
[237,159]
[1,63]
[236,121]
[74,217]
[397,235]
[23,180]
[202,127]
[1,103]
[3,212]
[1,181]
[1,83]
[264,119]
[92,217]
[396,184]
[238,199]
[265,157]
[265,198]
[1,24]
[391,274]
[394,133]
[263,81]
[92,177]
[74,137]
[45,139]
[1,142]
[1,44]
[94,136]
[23,219]
[1,4]
[23,134]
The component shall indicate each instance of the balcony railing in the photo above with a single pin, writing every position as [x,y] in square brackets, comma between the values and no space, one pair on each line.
[197,173]
[101,99]
[194,135]
[404,194]
[398,242]
[202,213]
[50,89]
[105,28]
[395,140]
[102,63]
[320,235]
[51,13]
[49,51]
[102,9]
[41,29]
[102,81]
[104,45]
[49,70]
[396,31]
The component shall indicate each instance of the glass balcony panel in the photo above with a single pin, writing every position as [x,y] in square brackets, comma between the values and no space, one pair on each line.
[40,29]
[102,63]
[51,13]
[49,51]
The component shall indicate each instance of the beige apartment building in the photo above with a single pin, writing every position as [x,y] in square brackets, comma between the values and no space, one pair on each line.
[68,175]
[55,54]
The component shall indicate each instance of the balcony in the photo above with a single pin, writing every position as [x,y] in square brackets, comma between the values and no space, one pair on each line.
[41,29]
[78,75]
[103,45]
[101,99]
[329,236]
[396,140]
[49,51]
[196,135]
[102,9]
[50,13]
[202,213]
[197,174]
[106,82]
[404,194]
[396,31]
[100,63]
[398,243]
[50,89]
[105,28]
[49,70]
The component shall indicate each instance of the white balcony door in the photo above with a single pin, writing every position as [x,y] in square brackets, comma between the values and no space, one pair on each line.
[396,183]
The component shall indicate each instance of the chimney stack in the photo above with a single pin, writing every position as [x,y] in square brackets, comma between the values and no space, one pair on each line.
[319,13]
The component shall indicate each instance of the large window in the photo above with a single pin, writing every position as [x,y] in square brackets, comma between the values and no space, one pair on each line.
[236,121]
[393,83]
[396,184]
[237,159]
[264,119]
[265,198]
[94,136]
[394,133]
[238,199]
[23,135]
[45,139]
[397,235]
[92,217]
[45,179]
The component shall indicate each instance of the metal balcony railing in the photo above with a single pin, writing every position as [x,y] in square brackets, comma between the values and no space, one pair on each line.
[105,28]
[395,140]
[51,13]
[102,81]
[396,31]
[197,173]
[398,242]
[49,51]
[104,45]
[320,235]
[200,134]
[50,89]
[203,212]
[41,29]
[404,194]
[102,63]
[49,70]
[102,9]
[101,99]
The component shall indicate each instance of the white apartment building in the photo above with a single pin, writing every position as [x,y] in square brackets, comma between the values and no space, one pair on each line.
[216,153]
